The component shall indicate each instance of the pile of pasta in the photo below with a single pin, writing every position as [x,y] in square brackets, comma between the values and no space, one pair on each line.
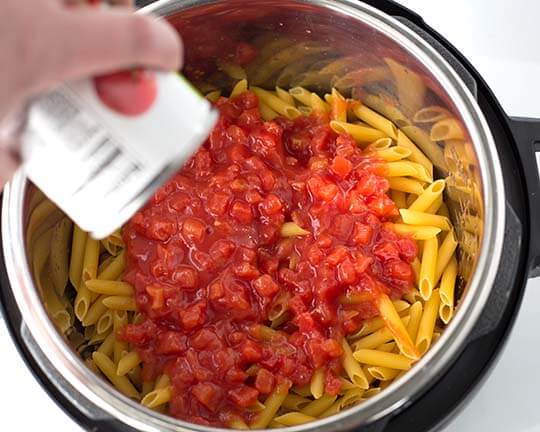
[80,278]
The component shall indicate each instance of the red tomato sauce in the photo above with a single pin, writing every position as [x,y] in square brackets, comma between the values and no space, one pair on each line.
[209,265]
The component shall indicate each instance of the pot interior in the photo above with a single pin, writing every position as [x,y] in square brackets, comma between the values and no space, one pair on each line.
[317,46]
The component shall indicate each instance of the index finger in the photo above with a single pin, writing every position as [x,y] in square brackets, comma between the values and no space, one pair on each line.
[88,42]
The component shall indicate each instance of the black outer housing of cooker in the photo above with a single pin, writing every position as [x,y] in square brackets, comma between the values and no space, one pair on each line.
[447,393]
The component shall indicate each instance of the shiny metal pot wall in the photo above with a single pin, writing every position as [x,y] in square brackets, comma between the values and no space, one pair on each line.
[317,44]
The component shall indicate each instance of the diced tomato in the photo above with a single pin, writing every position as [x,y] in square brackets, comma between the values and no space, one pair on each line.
[265,286]
[208,394]
[362,234]
[156,293]
[346,272]
[211,270]
[241,211]
[193,230]
[341,167]
[244,396]
[194,316]
[185,277]
[264,382]
[171,342]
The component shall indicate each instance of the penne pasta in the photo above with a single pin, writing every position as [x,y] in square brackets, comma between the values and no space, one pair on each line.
[380,144]
[383,373]
[406,185]
[386,107]
[267,113]
[399,198]
[128,363]
[338,106]
[78,245]
[293,418]
[428,147]
[352,368]
[295,402]
[375,120]
[108,287]
[396,326]
[59,257]
[416,268]
[393,154]
[290,229]
[416,154]
[377,338]
[305,110]
[54,305]
[407,169]
[95,312]
[446,129]
[446,291]
[446,251]
[374,324]
[431,114]
[413,217]
[271,406]
[361,134]
[276,104]
[106,366]
[316,385]
[317,407]
[303,391]
[107,346]
[162,382]
[435,206]
[238,423]
[114,243]
[157,397]
[427,322]
[90,260]
[213,96]
[415,315]
[83,301]
[239,88]
[416,231]
[429,196]
[114,269]
[427,267]
[371,392]
[120,348]
[104,323]
[351,397]
[43,218]
[285,96]
[301,95]
[318,105]
[384,359]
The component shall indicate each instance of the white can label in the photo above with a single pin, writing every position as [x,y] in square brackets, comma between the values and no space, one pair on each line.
[99,149]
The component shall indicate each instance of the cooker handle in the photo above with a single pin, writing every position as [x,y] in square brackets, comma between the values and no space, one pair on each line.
[526,133]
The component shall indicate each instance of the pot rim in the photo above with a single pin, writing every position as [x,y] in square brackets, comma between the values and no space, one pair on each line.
[103,395]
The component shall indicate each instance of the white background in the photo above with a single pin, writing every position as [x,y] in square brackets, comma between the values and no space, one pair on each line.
[501,39]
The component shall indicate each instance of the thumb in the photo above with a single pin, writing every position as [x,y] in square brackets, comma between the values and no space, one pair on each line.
[89,42]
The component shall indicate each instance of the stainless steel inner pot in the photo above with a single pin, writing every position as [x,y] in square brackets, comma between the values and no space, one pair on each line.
[323,43]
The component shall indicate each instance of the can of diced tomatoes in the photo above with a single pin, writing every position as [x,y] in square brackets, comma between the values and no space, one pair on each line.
[100,147]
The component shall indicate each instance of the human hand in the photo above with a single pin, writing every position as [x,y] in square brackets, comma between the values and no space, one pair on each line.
[46,42]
